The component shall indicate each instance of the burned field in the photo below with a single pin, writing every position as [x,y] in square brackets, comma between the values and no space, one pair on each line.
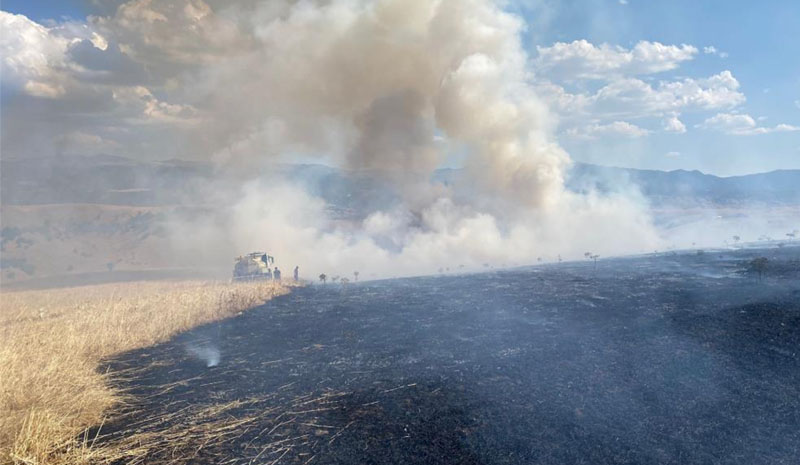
[684,358]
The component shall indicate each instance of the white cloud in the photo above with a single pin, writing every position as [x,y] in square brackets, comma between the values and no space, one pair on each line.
[624,95]
[614,129]
[581,59]
[36,59]
[741,124]
[797,103]
[166,34]
[672,154]
[673,124]
[32,56]
[99,41]
[82,143]
[43,89]
[634,98]
[150,109]
[711,50]
[93,87]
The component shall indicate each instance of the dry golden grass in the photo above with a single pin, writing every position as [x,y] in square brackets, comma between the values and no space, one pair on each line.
[54,340]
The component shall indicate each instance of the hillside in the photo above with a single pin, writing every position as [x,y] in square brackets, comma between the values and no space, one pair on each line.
[112,180]
[89,216]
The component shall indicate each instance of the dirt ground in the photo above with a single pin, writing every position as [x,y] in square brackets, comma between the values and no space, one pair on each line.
[664,359]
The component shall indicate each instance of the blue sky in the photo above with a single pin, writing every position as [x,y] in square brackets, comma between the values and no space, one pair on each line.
[762,51]
[41,10]
[755,41]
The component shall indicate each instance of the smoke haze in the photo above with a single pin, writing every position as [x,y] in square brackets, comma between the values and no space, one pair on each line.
[391,89]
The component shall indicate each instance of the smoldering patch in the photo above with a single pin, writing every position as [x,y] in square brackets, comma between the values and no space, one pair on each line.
[204,352]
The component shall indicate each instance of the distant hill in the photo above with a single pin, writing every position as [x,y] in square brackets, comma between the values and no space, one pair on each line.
[101,179]
[76,215]
[115,180]
[691,188]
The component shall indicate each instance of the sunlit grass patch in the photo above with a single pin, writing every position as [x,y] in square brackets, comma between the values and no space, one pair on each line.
[54,340]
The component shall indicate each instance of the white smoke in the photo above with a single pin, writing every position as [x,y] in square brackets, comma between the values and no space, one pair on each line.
[208,354]
[400,242]
[393,86]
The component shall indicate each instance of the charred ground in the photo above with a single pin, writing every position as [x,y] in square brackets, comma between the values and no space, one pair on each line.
[681,358]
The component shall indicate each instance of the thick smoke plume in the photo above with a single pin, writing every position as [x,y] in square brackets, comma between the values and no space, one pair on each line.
[396,87]
[387,89]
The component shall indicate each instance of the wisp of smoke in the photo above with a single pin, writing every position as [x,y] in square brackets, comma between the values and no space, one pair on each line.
[209,354]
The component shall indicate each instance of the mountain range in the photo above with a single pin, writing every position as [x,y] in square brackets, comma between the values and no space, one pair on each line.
[113,180]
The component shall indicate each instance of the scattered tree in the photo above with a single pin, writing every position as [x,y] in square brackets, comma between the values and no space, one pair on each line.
[736,239]
[759,265]
[110,266]
[323,277]
[344,281]
[335,278]
[355,275]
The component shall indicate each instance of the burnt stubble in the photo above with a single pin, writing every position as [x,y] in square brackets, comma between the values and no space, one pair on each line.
[673,358]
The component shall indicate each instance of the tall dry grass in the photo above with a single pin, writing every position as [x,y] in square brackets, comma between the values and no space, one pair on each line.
[51,343]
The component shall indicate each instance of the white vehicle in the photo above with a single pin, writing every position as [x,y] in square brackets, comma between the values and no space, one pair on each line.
[253,266]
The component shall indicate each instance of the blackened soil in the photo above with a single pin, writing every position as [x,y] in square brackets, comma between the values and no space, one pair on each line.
[675,359]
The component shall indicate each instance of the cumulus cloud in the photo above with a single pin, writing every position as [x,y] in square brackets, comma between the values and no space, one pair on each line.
[148,109]
[741,124]
[635,98]
[173,34]
[581,59]
[673,124]
[82,143]
[71,78]
[625,93]
[33,57]
[711,50]
[614,129]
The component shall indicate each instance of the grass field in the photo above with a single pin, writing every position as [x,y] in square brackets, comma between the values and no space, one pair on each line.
[51,391]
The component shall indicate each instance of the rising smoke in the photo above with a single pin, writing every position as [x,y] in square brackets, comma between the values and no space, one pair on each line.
[388,89]
[395,87]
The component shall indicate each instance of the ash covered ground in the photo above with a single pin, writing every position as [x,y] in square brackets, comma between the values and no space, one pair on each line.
[678,358]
